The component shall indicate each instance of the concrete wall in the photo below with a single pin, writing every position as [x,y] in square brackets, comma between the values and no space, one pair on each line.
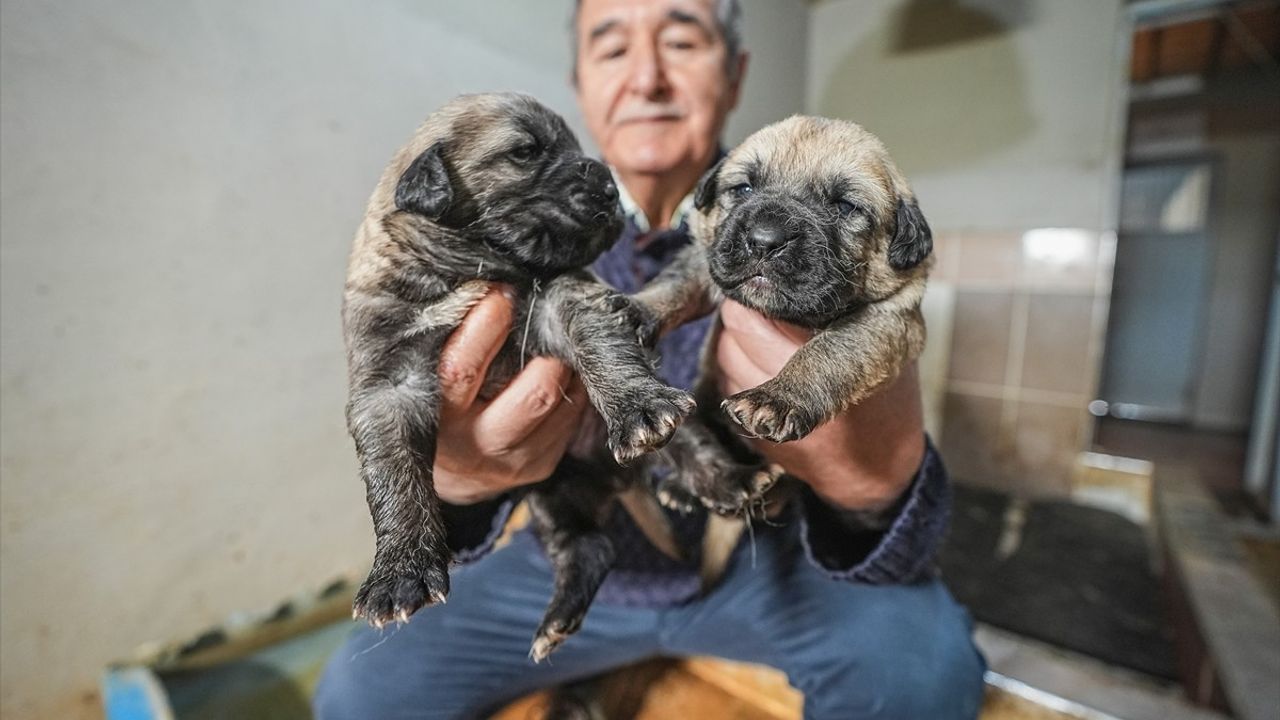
[1007,118]
[180,185]
[1004,115]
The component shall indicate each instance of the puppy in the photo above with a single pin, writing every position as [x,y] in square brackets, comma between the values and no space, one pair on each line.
[491,188]
[810,222]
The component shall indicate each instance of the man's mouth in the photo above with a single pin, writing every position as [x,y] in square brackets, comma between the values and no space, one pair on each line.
[643,115]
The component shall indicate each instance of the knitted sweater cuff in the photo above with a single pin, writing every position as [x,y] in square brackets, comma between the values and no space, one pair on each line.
[472,530]
[837,543]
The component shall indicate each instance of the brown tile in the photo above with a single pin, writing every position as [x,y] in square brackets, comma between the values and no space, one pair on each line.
[1046,440]
[980,336]
[1056,353]
[973,446]
[1060,259]
[990,260]
[946,252]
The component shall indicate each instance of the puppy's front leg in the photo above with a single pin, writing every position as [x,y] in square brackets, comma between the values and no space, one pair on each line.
[837,368]
[392,417]
[593,328]
[683,291]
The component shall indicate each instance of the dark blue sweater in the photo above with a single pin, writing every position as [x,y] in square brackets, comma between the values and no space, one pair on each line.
[643,576]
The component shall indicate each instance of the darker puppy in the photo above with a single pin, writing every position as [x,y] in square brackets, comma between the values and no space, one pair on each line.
[810,222]
[490,188]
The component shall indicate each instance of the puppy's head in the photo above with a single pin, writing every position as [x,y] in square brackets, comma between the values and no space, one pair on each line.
[809,218]
[504,172]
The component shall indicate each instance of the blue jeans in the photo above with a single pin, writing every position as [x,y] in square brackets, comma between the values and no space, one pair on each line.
[855,651]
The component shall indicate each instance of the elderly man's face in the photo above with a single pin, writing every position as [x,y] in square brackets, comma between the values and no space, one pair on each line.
[653,82]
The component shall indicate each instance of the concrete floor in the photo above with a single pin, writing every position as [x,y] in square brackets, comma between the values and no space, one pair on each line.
[1083,680]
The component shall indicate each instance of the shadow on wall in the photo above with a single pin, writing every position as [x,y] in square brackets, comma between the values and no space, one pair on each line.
[936,54]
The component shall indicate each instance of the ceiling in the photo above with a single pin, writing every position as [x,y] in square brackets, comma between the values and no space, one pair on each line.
[1226,39]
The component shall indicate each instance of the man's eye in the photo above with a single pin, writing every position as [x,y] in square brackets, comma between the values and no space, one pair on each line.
[680,45]
[611,52]
[525,153]
[741,191]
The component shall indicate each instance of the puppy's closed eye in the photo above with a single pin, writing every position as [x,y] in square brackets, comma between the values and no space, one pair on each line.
[525,153]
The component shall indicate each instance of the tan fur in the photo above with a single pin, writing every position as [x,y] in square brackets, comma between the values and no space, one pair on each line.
[852,356]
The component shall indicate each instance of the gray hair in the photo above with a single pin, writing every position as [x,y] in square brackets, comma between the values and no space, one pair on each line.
[728,16]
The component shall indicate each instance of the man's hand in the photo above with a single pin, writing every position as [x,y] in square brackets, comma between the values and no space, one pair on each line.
[863,459]
[518,437]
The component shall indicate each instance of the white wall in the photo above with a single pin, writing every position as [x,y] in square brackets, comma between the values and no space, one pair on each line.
[1004,115]
[180,185]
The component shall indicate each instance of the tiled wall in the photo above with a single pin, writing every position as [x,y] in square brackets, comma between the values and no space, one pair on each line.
[1027,326]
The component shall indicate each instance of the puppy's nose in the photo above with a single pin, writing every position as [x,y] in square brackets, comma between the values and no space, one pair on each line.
[765,239]
[596,179]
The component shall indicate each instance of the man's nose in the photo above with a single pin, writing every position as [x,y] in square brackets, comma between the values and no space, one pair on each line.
[646,75]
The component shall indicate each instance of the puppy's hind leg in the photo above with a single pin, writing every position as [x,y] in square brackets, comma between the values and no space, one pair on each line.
[566,512]
[394,428]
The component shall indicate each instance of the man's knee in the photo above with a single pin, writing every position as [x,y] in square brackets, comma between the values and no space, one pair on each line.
[920,664]
[375,674]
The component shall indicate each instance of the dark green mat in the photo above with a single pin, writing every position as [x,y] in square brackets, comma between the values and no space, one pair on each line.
[1081,578]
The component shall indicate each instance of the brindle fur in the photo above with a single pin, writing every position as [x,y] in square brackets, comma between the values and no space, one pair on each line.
[807,221]
[491,188]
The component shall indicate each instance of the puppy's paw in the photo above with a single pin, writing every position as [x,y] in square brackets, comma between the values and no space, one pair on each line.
[719,485]
[550,636]
[764,414]
[671,494]
[642,321]
[647,421]
[740,490]
[395,590]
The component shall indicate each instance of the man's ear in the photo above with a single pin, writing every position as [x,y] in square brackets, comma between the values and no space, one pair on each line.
[705,192]
[912,240]
[424,188]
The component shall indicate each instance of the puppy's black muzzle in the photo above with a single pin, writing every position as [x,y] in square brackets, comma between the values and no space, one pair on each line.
[757,237]
[592,192]
[768,237]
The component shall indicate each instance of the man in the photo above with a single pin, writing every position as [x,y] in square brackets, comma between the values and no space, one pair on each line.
[857,619]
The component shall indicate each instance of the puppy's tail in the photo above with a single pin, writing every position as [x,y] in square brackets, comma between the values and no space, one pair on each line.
[644,509]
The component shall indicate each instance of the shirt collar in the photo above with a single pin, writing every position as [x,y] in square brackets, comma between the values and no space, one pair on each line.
[633,211]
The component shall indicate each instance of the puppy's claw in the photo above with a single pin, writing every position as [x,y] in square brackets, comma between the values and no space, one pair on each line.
[649,423]
[546,642]
[394,595]
[725,488]
[673,497]
[763,414]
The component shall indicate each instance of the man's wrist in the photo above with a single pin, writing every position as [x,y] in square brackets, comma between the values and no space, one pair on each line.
[871,489]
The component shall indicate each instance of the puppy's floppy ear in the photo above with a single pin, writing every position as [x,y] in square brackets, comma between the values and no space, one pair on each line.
[705,193]
[424,188]
[912,240]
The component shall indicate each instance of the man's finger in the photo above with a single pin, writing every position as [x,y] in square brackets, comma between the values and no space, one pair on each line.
[522,405]
[737,370]
[553,436]
[469,350]
[767,343]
